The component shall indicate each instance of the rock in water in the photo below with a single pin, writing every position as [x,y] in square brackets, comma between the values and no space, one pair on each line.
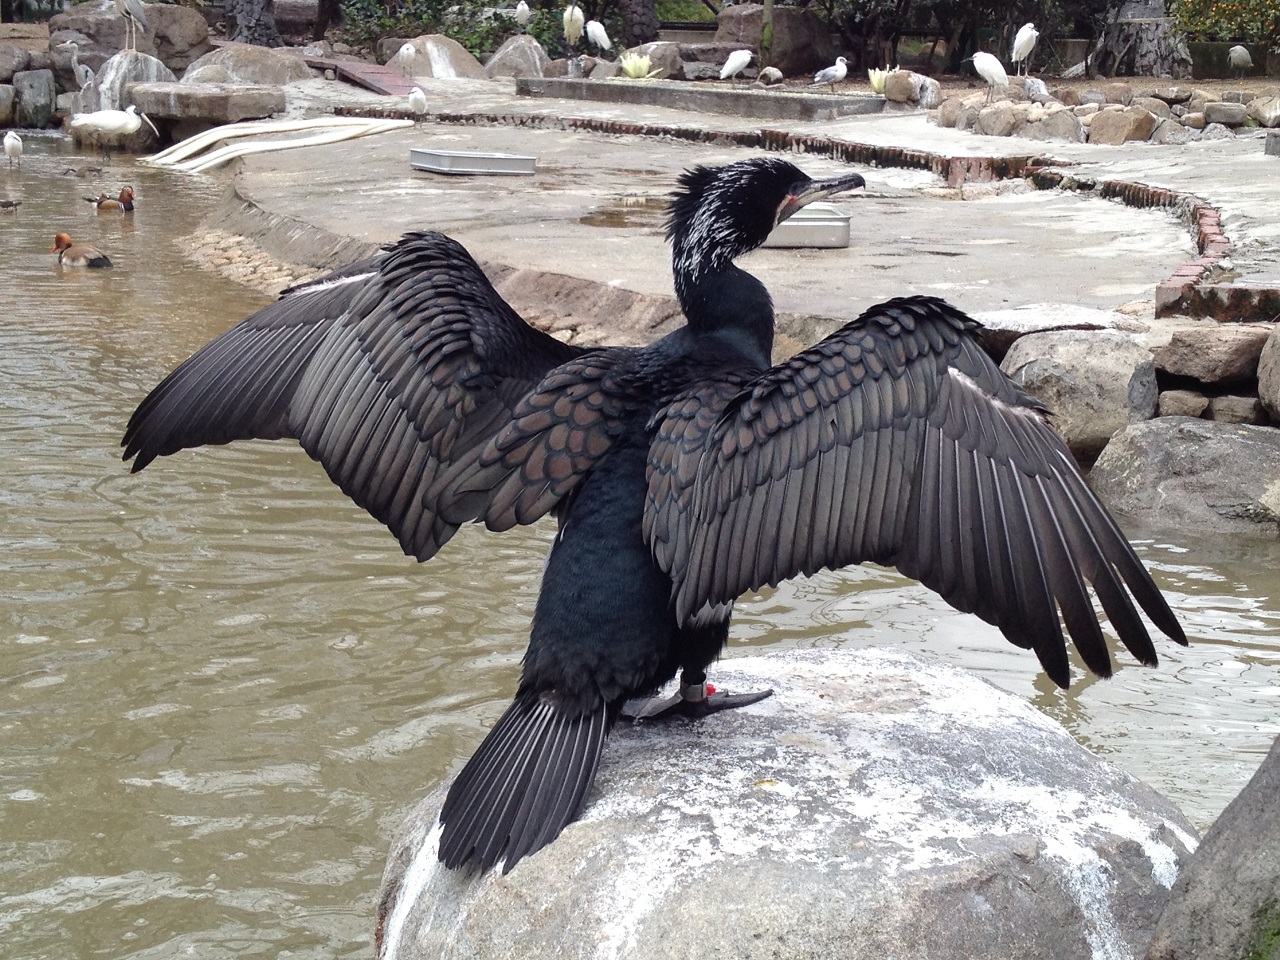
[878,805]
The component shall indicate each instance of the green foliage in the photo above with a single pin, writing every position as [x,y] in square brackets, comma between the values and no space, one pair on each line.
[1253,21]
[468,22]
[1266,934]
[684,11]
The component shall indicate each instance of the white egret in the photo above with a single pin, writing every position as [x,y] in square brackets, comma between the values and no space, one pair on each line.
[110,125]
[573,23]
[597,35]
[991,70]
[404,59]
[1023,44]
[523,13]
[830,76]
[417,101]
[1238,59]
[135,17]
[735,64]
[13,148]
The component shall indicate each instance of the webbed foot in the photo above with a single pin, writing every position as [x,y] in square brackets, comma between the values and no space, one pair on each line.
[693,700]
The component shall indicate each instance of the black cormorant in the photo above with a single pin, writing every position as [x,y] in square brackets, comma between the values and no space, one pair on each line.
[682,474]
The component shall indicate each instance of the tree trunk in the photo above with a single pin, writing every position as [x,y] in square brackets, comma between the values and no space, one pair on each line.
[254,21]
[639,22]
[328,12]
[1138,40]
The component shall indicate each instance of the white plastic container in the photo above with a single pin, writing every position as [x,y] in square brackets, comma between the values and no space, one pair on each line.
[817,225]
[470,162]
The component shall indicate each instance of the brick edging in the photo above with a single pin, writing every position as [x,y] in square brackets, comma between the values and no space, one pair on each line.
[1184,292]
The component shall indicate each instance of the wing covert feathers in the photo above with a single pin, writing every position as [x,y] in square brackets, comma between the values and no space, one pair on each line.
[898,440]
[387,377]
[527,781]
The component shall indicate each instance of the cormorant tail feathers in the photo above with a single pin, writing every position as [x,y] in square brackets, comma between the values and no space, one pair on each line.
[527,781]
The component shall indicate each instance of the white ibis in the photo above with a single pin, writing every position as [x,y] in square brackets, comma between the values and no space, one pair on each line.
[1023,44]
[417,101]
[110,125]
[830,76]
[573,23]
[77,254]
[135,17]
[596,34]
[13,148]
[735,63]
[1238,59]
[991,70]
[523,13]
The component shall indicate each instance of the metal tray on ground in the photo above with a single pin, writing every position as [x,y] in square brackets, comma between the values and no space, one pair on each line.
[470,162]
[817,225]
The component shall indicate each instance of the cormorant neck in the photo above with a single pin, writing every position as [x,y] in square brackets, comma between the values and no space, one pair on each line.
[729,300]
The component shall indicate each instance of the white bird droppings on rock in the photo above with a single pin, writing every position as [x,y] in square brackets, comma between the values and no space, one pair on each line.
[878,805]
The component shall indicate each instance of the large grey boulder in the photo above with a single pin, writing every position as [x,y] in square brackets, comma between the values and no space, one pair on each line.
[1226,903]
[1269,374]
[802,42]
[247,64]
[7,97]
[13,59]
[1118,126]
[665,62]
[520,56]
[35,95]
[1054,125]
[879,805]
[1095,383]
[1214,353]
[1001,328]
[442,57]
[209,104]
[110,87]
[906,86]
[1196,476]
[1228,114]
[178,34]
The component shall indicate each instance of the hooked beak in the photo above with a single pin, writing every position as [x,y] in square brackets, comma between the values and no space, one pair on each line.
[816,190]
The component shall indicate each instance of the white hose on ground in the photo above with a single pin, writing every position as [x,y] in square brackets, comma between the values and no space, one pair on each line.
[337,128]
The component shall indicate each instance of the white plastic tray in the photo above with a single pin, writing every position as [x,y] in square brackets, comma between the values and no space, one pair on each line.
[817,225]
[470,162]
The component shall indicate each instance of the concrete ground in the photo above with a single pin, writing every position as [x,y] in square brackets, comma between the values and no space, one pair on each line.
[593,211]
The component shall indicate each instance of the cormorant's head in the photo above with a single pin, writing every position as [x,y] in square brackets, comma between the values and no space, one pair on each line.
[720,213]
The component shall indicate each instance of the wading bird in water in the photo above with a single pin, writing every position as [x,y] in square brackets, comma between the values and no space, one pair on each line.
[682,474]
[13,148]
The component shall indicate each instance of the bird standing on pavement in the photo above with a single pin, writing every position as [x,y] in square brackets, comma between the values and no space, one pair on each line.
[417,101]
[123,203]
[597,35]
[77,254]
[1023,44]
[991,70]
[13,148]
[135,17]
[735,63]
[830,76]
[682,474]
[1238,59]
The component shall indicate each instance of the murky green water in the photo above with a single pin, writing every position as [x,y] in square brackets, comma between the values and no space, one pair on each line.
[221,685]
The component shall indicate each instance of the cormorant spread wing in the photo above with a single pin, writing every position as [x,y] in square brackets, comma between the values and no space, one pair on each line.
[385,372]
[896,440]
